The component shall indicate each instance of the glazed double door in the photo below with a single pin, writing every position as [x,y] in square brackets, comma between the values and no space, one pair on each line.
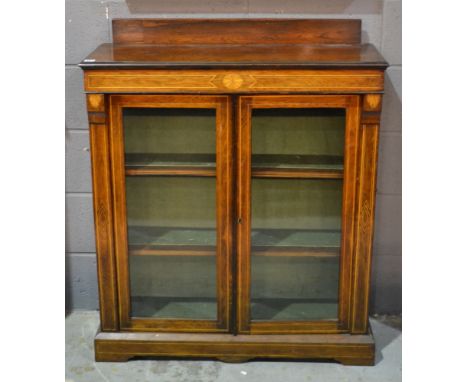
[234,214]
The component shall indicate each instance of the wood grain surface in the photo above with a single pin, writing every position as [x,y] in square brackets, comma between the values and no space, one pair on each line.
[239,81]
[261,56]
[236,31]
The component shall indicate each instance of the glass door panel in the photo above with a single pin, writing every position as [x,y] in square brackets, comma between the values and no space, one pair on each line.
[172,246]
[294,209]
[295,248]
[298,139]
[171,169]
[169,139]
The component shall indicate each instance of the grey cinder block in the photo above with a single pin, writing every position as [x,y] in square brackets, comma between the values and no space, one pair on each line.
[389,166]
[79,223]
[86,26]
[318,7]
[391,107]
[75,99]
[391,36]
[387,234]
[386,291]
[180,8]
[81,281]
[77,162]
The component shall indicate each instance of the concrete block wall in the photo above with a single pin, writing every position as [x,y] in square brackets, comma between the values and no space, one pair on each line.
[88,24]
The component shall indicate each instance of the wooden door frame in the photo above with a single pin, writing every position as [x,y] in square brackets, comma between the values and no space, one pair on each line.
[224,202]
[352,104]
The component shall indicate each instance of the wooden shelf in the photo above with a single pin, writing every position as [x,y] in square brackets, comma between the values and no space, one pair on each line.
[171,250]
[297,166]
[160,241]
[170,164]
[171,170]
[325,162]
[296,251]
[175,250]
[263,166]
[312,173]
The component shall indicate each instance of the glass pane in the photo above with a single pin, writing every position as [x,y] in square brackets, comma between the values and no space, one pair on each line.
[296,234]
[296,223]
[298,138]
[171,220]
[169,137]
[172,246]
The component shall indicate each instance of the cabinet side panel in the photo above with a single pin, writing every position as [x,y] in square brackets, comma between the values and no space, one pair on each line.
[369,139]
[102,199]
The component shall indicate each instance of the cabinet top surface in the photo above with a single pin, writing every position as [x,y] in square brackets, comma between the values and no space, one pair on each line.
[235,43]
[234,56]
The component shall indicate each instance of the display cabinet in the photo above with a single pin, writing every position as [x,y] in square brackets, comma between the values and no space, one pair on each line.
[234,167]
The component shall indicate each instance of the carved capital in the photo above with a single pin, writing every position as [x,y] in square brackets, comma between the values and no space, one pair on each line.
[96,108]
[95,102]
[371,107]
[372,102]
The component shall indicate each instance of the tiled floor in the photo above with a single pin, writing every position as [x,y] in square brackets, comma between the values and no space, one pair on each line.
[80,366]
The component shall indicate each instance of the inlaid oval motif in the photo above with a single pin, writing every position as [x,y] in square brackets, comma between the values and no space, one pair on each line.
[95,102]
[232,81]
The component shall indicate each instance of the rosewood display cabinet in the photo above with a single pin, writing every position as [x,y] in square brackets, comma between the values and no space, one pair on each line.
[234,167]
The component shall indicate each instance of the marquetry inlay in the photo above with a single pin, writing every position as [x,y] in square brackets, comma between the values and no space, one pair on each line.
[95,102]
[372,102]
[232,81]
[245,81]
